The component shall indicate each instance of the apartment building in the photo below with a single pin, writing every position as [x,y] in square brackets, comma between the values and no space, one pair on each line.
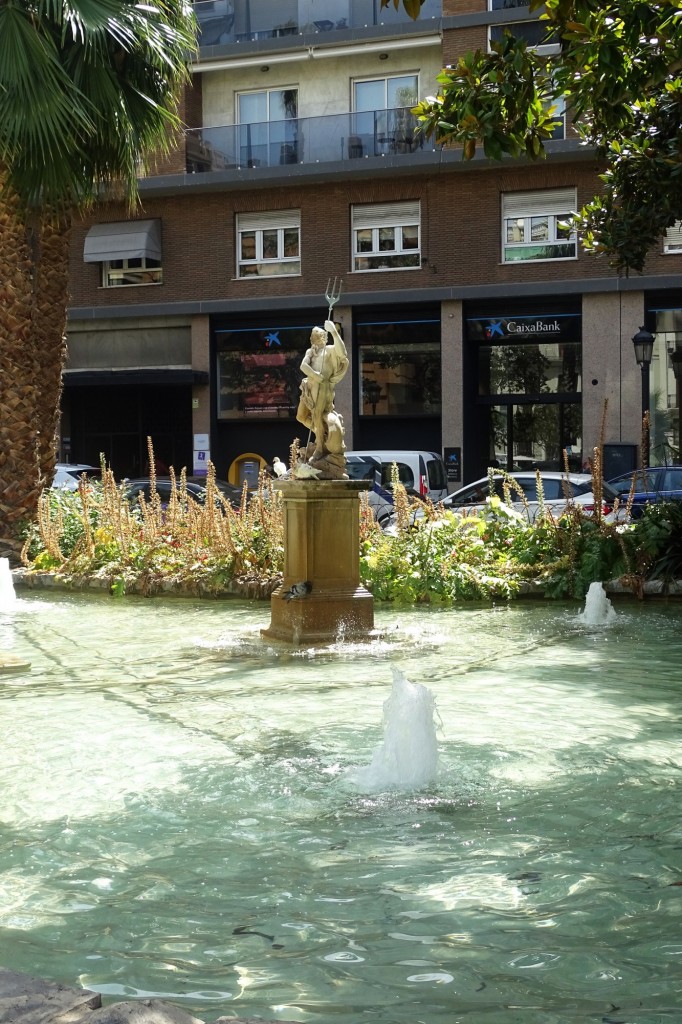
[474,323]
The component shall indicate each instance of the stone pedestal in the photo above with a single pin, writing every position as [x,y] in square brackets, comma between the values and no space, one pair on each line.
[321,545]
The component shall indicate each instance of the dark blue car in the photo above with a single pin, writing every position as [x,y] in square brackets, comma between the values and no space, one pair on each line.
[658,483]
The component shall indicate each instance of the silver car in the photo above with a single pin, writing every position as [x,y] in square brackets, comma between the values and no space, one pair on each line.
[560,490]
[68,474]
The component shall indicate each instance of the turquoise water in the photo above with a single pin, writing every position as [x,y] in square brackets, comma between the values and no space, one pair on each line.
[178,817]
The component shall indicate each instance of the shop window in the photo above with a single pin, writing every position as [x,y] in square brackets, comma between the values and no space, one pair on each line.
[386,236]
[269,244]
[258,371]
[536,226]
[135,271]
[672,242]
[505,5]
[400,373]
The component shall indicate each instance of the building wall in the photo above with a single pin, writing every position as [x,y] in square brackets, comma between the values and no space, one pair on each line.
[460,246]
[461,238]
[324,84]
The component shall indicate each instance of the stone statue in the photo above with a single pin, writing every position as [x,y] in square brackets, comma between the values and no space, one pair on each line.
[323,366]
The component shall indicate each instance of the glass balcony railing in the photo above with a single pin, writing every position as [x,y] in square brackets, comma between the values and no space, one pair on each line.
[244,21]
[304,140]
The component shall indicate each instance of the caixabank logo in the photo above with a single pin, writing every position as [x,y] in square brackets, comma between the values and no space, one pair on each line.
[522,327]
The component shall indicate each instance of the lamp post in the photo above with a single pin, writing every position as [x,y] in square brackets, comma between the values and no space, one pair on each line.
[676,360]
[644,350]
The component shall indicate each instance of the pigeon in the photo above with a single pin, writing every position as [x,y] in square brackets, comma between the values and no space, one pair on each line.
[303,471]
[298,590]
[278,466]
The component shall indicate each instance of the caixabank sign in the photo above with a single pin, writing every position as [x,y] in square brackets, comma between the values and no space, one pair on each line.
[506,329]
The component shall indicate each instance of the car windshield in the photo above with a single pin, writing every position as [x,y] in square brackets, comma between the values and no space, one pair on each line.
[359,468]
[77,471]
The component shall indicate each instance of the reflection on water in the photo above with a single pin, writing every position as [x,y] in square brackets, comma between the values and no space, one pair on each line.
[182,814]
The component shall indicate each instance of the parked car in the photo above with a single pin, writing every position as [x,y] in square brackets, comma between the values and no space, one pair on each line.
[422,472]
[366,467]
[67,474]
[559,491]
[164,487]
[658,483]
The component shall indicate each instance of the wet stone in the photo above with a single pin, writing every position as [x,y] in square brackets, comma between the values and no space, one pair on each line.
[27,1000]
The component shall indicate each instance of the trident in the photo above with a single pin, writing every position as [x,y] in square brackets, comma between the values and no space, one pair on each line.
[333,293]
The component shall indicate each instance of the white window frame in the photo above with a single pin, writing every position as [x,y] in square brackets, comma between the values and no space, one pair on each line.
[376,216]
[522,207]
[150,269]
[672,241]
[258,223]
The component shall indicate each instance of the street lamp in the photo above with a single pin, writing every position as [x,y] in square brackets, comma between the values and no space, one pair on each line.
[644,350]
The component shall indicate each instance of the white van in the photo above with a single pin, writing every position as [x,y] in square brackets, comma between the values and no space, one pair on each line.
[422,472]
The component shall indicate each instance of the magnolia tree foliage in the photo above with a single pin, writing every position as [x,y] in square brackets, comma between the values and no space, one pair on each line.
[619,69]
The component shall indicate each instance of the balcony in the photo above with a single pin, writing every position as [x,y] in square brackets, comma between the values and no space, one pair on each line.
[305,140]
[222,22]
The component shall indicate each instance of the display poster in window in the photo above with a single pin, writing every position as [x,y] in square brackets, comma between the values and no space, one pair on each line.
[259,372]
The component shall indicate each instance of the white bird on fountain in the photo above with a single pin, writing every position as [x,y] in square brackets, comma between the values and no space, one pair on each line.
[305,472]
[278,467]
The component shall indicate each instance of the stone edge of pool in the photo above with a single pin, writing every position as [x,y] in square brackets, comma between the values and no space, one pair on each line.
[254,590]
[28,1000]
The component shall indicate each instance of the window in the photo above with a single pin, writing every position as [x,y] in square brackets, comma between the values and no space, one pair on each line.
[258,370]
[269,244]
[382,121]
[535,33]
[128,251]
[503,5]
[673,238]
[535,226]
[268,133]
[399,363]
[386,236]
[137,270]
[537,38]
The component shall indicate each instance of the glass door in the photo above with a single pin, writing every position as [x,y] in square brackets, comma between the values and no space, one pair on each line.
[533,435]
[268,132]
[382,119]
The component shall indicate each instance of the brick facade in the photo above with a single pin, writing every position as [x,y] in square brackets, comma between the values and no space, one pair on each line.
[461,250]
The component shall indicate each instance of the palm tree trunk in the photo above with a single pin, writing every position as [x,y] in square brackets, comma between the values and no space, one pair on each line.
[50,297]
[20,481]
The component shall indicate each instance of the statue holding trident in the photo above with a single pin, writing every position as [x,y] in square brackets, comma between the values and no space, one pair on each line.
[323,366]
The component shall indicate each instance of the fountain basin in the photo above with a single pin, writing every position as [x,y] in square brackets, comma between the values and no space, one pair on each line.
[180,821]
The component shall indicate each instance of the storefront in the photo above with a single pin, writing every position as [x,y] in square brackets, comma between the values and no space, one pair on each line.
[255,390]
[522,386]
[396,385]
[397,393]
[664,320]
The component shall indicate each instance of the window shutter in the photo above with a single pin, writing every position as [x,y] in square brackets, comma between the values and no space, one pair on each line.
[673,238]
[271,219]
[385,215]
[559,201]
